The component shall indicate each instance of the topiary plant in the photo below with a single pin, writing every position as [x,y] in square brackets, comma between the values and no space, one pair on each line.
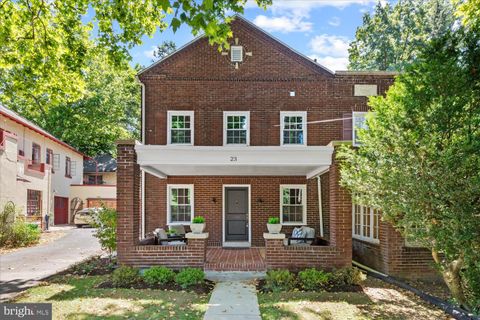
[273,220]
[198,219]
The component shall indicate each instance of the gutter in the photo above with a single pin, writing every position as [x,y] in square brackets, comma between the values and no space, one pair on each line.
[455,311]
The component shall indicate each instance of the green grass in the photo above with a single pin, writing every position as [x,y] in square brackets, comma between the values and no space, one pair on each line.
[77,298]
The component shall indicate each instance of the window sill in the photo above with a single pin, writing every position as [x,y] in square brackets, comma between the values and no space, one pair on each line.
[179,223]
[293,224]
[364,239]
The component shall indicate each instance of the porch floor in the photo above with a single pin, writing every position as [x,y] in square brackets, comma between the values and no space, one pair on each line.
[235,259]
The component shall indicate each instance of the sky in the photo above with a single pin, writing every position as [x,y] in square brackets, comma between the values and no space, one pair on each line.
[320,29]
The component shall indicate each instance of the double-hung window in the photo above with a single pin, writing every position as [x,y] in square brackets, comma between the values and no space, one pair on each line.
[236,128]
[293,204]
[179,203]
[180,127]
[68,167]
[366,221]
[359,121]
[36,155]
[293,128]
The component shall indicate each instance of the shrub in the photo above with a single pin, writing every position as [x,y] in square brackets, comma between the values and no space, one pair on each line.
[313,279]
[348,276]
[105,221]
[198,219]
[279,280]
[189,277]
[23,234]
[273,220]
[158,275]
[125,277]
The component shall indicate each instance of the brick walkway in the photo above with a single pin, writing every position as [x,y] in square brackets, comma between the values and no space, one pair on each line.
[223,259]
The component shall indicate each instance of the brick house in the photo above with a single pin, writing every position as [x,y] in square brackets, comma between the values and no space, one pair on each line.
[237,137]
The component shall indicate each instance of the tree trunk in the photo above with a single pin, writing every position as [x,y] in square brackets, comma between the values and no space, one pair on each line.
[451,276]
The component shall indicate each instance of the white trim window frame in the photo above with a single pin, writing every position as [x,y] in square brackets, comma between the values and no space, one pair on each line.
[300,200]
[365,223]
[359,121]
[235,128]
[293,127]
[190,129]
[185,204]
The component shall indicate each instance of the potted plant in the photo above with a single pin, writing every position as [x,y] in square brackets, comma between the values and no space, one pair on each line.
[274,225]
[198,224]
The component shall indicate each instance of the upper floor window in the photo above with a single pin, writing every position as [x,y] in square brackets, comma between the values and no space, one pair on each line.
[36,156]
[94,179]
[180,204]
[366,222]
[68,167]
[49,158]
[236,128]
[293,128]
[293,204]
[359,121]
[180,127]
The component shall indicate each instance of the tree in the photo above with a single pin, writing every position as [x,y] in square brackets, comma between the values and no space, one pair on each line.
[420,159]
[163,50]
[393,36]
[44,45]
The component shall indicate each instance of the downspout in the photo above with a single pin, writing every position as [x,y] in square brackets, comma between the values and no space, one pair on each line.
[320,209]
[142,235]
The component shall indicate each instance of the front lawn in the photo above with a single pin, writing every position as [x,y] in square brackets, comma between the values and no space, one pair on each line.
[76,297]
[377,301]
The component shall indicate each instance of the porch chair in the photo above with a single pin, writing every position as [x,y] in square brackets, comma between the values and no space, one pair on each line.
[162,238]
[303,236]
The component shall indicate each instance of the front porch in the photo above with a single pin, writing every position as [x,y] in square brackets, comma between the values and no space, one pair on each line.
[142,208]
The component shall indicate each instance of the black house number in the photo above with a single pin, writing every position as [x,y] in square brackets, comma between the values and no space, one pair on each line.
[233,159]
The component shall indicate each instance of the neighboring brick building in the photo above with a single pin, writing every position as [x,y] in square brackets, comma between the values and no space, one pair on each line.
[237,137]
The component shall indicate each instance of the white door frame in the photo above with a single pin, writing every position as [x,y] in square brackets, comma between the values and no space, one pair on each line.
[237,243]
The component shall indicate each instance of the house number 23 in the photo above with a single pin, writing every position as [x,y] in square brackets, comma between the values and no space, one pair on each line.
[233,159]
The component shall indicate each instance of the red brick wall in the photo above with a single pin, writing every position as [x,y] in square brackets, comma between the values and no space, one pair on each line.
[265,202]
[129,251]
[392,257]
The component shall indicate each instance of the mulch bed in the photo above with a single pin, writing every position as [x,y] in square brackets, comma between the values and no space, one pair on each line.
[95,266]
[204,288]
[346,288]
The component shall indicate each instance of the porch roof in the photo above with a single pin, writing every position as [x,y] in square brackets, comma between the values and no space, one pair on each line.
[163,161]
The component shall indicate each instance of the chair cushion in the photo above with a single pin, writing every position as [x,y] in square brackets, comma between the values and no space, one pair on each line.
[309,233]
[298,233]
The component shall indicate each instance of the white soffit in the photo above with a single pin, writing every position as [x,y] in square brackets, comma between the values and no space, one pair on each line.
[163,161]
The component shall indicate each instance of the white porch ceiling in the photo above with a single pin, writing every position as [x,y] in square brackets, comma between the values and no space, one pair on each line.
[164,161]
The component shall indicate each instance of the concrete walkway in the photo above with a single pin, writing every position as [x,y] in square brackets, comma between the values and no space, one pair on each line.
[24,268]
[234,297]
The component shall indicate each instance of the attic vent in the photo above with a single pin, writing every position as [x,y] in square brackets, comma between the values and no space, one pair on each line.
[236,53]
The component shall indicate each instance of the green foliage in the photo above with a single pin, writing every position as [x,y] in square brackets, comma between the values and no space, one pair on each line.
[14,231]
[47,46]
[348,276]
[189,277]
[163,50]
[198,219]
[469,12]
[273,220]
[420,159]
[105,223]
[125,277]
[392,37]
[279,280]
[313,279]
[158,275]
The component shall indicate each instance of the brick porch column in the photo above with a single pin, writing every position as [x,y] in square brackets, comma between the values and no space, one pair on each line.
[340,211]
[128,199]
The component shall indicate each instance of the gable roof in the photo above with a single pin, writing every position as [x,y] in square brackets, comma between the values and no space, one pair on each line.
[100,163]
[251,24]
[12,115]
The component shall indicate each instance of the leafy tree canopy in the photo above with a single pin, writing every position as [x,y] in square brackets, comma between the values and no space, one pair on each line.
[392,37]
[163,50]
[420,158]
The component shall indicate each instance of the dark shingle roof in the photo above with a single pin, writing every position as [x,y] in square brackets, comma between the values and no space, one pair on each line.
[105,163]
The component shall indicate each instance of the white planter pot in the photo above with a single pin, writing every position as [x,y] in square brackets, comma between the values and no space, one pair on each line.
[197,227]
[274,228]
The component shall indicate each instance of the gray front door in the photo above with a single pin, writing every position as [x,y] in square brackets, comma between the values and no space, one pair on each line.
[236,214]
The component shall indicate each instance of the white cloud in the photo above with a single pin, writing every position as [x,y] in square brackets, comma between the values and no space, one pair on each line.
[309,4]
[334,21]
[332,63]
[283,24]
[329,45]
[149,53]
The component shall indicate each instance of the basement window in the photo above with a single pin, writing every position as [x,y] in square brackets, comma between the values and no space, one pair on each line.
[236,53]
